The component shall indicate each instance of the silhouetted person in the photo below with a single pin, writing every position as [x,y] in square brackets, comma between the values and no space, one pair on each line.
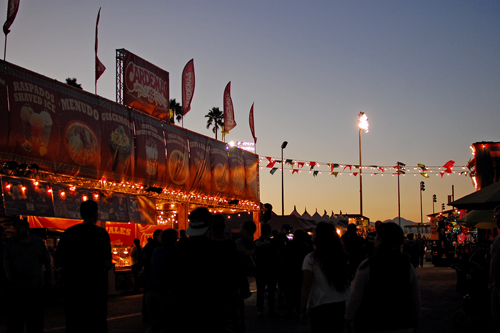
[282,240]
[246,249]
[266,270]
[182,235]
[154,292]
[84,255]
[226,251]
[3,278]
[137,264]
[370,240]
[494,280]
[354,246]
[293,257]
[25,260]
[412,248]
[385,294]
[147,258]
[195,283]
[148,250]
[325,287]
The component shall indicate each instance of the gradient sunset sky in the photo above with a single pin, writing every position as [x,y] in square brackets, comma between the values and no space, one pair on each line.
[426,73]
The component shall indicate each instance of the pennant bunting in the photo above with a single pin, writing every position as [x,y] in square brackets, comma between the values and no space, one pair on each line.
[269,159]
[271,164]
[348,166]
[273,170]
[355,174]
[448,166]
[335,174]
[301,164]
[381,169]
[290,162]
[425,174]
[295,171]
[315,173]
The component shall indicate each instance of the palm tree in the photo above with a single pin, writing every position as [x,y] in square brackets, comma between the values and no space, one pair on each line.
[175,111]
[72,82]
[215,119]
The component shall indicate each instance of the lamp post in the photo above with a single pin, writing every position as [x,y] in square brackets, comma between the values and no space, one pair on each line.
[363,126]
[283,146]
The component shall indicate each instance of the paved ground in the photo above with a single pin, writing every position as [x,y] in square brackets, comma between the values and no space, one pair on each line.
[441,305]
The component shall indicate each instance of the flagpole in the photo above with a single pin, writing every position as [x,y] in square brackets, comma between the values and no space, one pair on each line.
[5,48]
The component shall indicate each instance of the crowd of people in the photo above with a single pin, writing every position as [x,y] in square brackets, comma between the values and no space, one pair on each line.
[333,283]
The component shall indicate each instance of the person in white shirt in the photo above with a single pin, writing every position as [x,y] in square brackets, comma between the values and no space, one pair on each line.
[325,285]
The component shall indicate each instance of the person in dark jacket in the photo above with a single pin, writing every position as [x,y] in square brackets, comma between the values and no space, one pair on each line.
[266,269]
[354,246]
[25,259]
[387,278]
[412,248]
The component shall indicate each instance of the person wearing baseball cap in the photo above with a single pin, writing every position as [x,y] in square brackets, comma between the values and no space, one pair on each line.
[200,220]
[196,283]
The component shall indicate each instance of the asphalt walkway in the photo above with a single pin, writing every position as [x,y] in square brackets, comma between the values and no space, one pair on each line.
[443,308]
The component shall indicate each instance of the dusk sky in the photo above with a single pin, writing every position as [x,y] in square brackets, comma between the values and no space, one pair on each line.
[426,73]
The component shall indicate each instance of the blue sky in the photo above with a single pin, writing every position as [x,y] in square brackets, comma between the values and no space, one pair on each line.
[426,73]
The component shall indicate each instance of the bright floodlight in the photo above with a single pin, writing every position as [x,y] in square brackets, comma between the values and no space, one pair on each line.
[363,122]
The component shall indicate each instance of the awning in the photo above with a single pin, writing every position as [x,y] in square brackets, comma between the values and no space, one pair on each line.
[484,199]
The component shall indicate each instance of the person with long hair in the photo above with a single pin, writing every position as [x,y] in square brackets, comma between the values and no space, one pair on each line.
[385,293]
[325,284]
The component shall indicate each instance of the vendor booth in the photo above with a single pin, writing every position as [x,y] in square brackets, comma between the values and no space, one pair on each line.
[61,146]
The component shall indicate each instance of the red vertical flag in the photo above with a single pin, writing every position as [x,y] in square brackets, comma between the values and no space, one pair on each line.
[229,122]
[12,8]
[99,67]
[188,83]
[252,127]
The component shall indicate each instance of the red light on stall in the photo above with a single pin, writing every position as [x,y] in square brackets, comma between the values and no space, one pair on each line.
[84,198]
[8,186]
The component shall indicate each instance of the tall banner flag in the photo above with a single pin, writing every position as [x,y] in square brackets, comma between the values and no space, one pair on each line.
[252,127]
[229,122]
[188,83]
[12,8]
[99,67]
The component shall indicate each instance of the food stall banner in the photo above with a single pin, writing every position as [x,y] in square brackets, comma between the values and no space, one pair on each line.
[117,144]
[150,159]
[251,175]
[177,157]
[145,86]
[22,196]
[121,233]
[67,200]
[199,164]
[51,222]
[113,206]
[141,209]
[237,172]
[219,165]
[80,141]
[33,120]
